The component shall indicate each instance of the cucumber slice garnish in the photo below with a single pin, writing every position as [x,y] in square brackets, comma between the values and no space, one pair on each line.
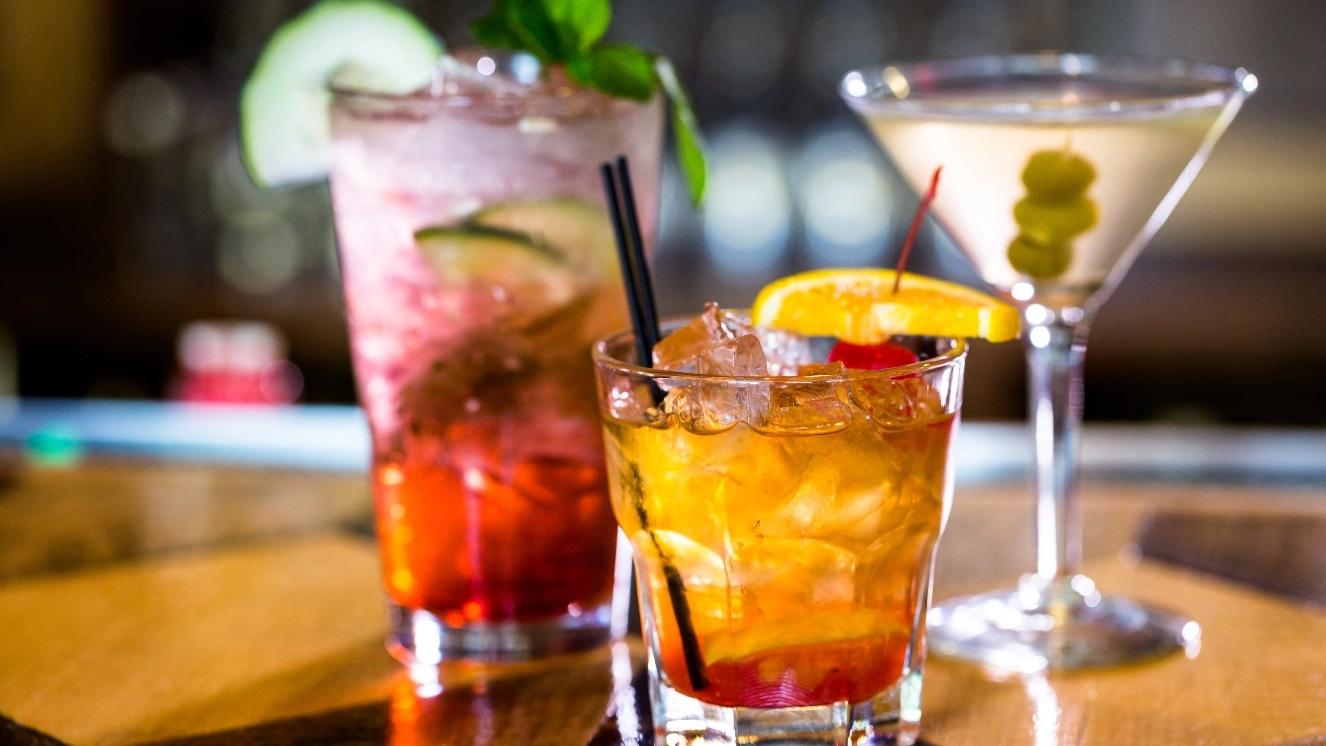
[580,231]
[534,278]
[369,44]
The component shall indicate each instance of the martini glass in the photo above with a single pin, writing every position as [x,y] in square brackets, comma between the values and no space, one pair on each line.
[1057,170]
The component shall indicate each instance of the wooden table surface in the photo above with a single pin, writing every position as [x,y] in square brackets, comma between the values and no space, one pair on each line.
[167,603]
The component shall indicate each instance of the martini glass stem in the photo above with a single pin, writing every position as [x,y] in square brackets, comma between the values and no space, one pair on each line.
[1055,350]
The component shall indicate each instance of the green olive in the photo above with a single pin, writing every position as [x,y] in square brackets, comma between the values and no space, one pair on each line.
[1057,175]
[1037,260]
[1050,222]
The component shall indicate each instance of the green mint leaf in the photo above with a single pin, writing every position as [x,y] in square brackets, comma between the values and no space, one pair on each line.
[690,144]
[552,30]
[492,30]
[580,23]
[581,70]
[567,32]
[530,22]
[619,70]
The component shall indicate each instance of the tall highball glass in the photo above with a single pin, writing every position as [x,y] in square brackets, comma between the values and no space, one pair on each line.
[478,265]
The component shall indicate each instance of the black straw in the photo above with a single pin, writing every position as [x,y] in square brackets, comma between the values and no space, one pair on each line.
[644,285]
[644,320]
[646,334]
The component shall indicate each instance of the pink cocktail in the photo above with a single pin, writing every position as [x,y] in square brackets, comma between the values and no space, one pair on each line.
[478,265]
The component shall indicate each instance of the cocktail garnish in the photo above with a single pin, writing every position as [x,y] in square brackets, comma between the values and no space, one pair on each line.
[849,304]
[916,227]
[283,107]
[1055,210]
[886,355]
[858,305]
[871,357]
[569,33]
[378,46]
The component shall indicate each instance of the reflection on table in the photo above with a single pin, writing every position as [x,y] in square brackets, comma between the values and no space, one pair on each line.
[147,599]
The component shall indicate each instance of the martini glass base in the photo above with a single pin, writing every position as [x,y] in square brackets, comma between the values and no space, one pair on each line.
[1062,623]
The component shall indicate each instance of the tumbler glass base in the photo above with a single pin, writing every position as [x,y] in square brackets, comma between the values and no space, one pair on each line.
[1064,623]
[892,717]
[417,637]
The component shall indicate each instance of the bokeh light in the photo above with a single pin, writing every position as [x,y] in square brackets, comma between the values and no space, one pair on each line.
[145,113]
[748,213]
[258,252]
[844,198]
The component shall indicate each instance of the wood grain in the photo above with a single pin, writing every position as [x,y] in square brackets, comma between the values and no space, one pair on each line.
[989,538]
[551,703]
[65,519]
[241,633]
[1265,551]
[1259,678]
[195,643]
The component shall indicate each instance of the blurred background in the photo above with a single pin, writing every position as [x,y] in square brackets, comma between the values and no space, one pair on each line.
[129,218]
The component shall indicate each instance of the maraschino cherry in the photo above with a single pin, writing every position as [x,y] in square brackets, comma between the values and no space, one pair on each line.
[888,355]
[871,357]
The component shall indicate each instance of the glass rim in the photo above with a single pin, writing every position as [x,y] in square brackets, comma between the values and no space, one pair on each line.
[603,358]
[883,88]
[347,95]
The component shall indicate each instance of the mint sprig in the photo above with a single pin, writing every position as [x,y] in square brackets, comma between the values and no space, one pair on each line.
[569,33]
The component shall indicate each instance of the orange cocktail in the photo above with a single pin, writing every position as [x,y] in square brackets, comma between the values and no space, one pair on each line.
[805,556]
[784,527]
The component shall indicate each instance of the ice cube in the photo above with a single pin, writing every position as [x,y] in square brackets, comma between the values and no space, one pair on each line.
[706,407]
[703,412]
[734,325]
[897,403]
[473,72]
[833,504]
[630,399]
[809,505]
[781,352]
[805,409]
[861,515]
[742,356]
[785,352]
[784,577]
[713,344]
[680,350]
